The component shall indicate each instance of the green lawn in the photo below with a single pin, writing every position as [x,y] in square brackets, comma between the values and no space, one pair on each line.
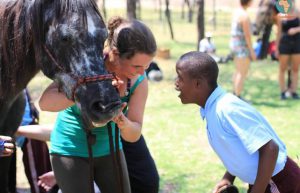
[175,133]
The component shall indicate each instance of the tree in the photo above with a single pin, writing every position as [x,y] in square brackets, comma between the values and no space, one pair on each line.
[190,10]
[168,15]
[104,9]
[131,9]
[200,20]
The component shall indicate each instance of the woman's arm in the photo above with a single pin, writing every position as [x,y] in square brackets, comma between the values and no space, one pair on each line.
[53,100]
[131,126]
[247,32]
[294,30]
[268,154]
[38,132]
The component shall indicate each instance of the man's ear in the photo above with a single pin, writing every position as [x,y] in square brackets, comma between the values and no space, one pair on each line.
[199,82]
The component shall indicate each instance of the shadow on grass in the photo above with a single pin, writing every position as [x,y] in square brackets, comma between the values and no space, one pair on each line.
[173,185]
[265,92]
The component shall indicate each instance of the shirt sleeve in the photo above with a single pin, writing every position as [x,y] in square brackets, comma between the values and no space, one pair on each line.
[248,125]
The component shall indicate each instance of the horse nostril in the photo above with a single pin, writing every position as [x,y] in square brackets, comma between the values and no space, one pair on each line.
[99,107]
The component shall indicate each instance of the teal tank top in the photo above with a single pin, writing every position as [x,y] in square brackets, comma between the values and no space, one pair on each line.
[68,137]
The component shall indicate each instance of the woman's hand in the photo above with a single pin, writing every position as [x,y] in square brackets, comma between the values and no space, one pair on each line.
[117,82]
[6,146]
[121,120]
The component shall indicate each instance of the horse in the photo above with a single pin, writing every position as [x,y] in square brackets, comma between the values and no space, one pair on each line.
[263,24]
[64,39]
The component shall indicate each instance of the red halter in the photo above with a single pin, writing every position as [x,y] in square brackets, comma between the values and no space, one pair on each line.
[81,80]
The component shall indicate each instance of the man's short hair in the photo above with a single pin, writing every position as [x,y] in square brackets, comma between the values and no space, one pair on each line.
[200,65]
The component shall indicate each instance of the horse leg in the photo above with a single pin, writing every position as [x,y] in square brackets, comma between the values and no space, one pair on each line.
[9,127]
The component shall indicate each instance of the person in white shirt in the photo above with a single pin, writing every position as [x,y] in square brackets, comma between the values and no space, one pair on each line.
[207,46]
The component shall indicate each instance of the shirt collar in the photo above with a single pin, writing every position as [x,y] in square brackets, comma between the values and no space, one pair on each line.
[213,96]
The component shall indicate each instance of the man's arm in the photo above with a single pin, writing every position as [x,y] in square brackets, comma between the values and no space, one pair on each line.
[268,154]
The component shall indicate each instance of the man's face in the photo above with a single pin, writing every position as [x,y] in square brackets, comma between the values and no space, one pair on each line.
[185,85]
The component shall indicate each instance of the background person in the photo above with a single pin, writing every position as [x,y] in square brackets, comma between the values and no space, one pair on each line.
[154,73]
[288,51]
[241,46]
[207,45]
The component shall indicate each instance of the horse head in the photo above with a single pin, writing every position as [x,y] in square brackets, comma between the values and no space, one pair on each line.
[68,39]
[264,16]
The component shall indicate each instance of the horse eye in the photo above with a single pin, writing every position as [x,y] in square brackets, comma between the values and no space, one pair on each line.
[66,38]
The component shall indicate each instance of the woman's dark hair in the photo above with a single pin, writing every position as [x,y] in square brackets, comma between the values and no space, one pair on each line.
[130,37]
[244,2]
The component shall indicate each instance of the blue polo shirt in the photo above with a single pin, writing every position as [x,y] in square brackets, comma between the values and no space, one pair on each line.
[236,131]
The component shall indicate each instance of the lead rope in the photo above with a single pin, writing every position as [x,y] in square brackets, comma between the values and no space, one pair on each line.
[117,167]
[91,140]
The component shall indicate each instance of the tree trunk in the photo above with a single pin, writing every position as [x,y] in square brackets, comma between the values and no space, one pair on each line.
[131,9]
[182,9]
[190,10]
[160,10]
[104,9]
[139,9]
[200,21]
[214,15]
[168,15]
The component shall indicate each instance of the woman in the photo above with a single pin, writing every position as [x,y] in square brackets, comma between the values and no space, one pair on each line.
[288,51]
[130,49]
[241,46]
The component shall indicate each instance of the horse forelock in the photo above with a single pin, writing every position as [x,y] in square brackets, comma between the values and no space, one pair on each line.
[66,8]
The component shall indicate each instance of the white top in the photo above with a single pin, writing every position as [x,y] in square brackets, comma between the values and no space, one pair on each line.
[206,46]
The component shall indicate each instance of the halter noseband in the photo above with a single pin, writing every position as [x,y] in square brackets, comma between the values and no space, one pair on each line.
[81,80]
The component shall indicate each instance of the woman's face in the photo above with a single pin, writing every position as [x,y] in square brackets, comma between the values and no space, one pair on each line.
[136,65]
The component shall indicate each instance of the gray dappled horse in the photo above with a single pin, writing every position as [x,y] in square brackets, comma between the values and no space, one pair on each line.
[64,39]
[263,24]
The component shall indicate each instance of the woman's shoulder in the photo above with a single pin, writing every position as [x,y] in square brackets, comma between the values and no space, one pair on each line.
[138,79]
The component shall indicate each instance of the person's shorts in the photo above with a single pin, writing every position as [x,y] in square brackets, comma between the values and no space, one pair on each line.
[239,47]
[289,44]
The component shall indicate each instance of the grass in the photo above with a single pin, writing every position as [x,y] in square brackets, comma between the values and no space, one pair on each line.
[175,133]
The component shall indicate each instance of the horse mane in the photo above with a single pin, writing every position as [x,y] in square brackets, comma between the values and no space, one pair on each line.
[15,42]
[22,29]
